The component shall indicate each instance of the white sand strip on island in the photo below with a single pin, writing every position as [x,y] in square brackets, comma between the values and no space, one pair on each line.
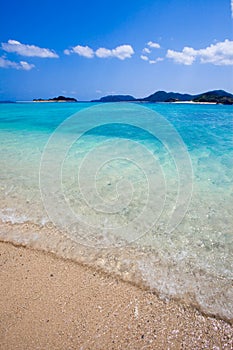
[195,103]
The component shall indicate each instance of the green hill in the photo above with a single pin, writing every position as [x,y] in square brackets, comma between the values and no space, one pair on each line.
[163,96]
[115,98]
[216,96]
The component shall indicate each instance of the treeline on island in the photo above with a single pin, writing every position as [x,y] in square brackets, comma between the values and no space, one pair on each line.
[56,99]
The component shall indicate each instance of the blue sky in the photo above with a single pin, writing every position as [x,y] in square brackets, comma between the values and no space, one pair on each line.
[87,49]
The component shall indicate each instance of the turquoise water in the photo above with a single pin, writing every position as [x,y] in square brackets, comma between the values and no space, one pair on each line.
[144,192]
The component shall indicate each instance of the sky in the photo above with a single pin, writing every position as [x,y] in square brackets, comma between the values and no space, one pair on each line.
[88,49]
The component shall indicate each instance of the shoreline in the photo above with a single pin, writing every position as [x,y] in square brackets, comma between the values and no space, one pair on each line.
[59,101]
[53,301]
[118,264]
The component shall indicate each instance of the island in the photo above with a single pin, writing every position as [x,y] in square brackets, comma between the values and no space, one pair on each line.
[56,99]
[163,96]
[210,97]
[219,97]
[116,98]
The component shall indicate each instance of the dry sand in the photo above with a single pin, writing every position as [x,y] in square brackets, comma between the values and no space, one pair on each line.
[50,303]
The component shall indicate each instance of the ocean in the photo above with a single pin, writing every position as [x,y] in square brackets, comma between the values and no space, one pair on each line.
[141,191]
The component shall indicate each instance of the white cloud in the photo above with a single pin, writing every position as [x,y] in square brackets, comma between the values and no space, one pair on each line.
[123,51]
[4,63]
[84,51]
[67,52]
[219,54]
[144,58]
[27,50]
[146,50]
[159,59]
[7,64]
[103,53]
[153,45]
[26,65]
[187,56]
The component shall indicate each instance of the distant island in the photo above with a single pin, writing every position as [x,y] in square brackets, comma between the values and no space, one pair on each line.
[116,98]
[56,99]
[216,96]
[212,97]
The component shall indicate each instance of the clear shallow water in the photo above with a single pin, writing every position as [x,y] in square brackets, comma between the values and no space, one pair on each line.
[128,190]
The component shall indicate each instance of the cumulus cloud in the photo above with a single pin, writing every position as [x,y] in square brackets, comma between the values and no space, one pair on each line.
[144,58]
[220,54]
[103,53]
[159,59]
[146,50]
[187,56]
[28,50]
[122,52]
[4,63]
[25,65]
[67,52]
[84,51]
[151,61]
[153,45]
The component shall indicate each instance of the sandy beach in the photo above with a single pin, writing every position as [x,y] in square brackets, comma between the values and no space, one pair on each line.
[50,303]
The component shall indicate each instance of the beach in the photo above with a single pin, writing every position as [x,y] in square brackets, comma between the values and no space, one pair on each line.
[116,175]
[51,303]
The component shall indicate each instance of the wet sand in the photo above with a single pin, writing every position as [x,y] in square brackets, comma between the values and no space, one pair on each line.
[50,303]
